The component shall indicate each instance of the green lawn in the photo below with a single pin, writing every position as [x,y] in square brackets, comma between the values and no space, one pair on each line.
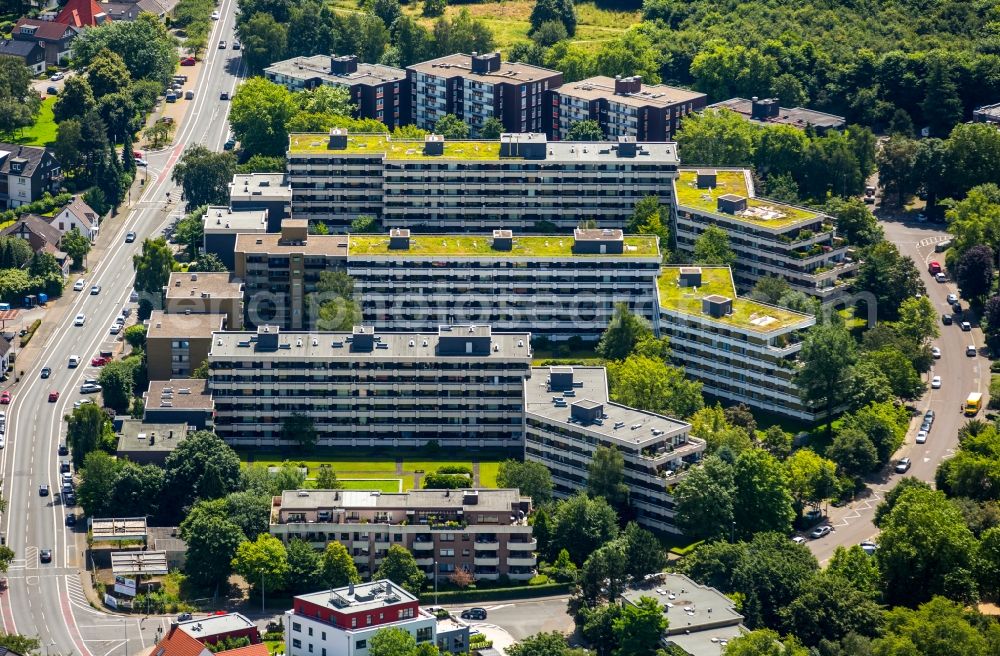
[383,485]
[43,132]
[482,245]
[488,473]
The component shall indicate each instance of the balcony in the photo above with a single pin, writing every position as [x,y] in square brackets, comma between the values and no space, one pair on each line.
[520,576]
[490,544]
[513,561]
[486,561]
[527,545]
[361,558]
[423,546]
[425,561]
[488,576]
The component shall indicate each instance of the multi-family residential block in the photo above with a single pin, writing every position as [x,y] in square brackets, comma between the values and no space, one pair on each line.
[461,386]
[767,110]
[262,191]
[26,173]
[205,293]
[221,224]
[177,344]
[621,106]
[179,401]
[741,350]
[484,532]
[769,238]
[521,181]
[568,415]
[379,92]
[477,87]
[341,622]
[559,286]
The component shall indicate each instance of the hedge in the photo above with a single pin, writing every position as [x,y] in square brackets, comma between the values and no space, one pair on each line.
[31,332]
[495,594]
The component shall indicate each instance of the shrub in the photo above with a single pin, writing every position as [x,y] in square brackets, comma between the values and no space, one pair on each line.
[31,332]
[995,392]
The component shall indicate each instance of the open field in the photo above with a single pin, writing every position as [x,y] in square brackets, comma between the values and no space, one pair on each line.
[43,132]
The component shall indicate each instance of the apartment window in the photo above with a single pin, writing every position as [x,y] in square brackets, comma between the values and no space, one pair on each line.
[368,620]
[310,631]
[354,622]
[424,634]
[361,644]
[296,642]
[310,648]
[322,635]
[447,553]
[296,627]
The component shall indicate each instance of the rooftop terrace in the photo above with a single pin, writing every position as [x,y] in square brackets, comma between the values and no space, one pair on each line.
[378,144]
[482,245]
[746,314]
[759,212]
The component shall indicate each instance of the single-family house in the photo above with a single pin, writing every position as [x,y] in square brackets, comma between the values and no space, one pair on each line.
[77,214]
[30,53]
[54,37]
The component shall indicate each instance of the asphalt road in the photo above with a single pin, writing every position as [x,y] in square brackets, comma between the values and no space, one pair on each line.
[46,600]
[960,375]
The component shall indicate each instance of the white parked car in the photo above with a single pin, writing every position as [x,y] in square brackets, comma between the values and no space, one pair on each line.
[74,361]
[952,298]
[936,352]
[79,320]
[921,437]
[936,382]
[79,285]
[215,15]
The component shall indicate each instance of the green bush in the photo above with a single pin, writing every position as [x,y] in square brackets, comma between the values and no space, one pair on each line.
[684,551]
[995,366]
[496,594]
[31,332]
[539,579]
[995,392]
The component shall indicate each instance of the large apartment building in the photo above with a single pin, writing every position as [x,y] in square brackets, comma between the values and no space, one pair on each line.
[558,285]
[769,238]
[741,350]
[477,87]
[177,344]
[521,181]
[568,415]
[621,106]
[378,92]
[482,531]
[461,386]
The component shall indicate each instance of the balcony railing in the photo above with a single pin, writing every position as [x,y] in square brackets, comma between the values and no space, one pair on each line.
[423,546]
[487,545]
[491,561]
[521,562]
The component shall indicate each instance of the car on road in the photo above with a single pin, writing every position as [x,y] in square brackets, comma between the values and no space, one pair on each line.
[921,437]
[222,45]
[936,382]
[224,95]
[946,319]
[868,547]
[184,617]
[236,44]
[79,320]
[79,285]
[43,490]
[903,465]
[98,361]
[130,236]
[89,388]
[141,162]
[81,403]
[952,298]
[798,539]
[116,328]
[53,396]
[971,351]
[70,519]
[63,450]
[52,91]
[58,76]
[45,555]
[64,466]
[966,326]
[95,290]
[929,415]
[74,361]
[936,352]
[69,499]
[188,61]
[956,307]
[5,398]
[474,614]
[821,531]
[215,15]
[46,372]
[940,277]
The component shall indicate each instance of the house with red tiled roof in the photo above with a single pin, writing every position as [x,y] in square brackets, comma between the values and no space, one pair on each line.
[54,37]
[82,13]
[189,638]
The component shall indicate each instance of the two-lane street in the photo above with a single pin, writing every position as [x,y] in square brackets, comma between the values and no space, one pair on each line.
[960,374]
[46,599]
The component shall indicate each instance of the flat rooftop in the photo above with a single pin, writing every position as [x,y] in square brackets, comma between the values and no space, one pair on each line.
[556,151]
[360,597]
[213,625]
[591,384]
[220,219]
[649,95]
[118,528]
[190,326]
[327,346]
[138,562]
[747,314]
[461,64]
[265,186]
[318,66]
[799,117]
[195,285]
[529,246]
[760,212]
[489,500]
[179,393]
[136,435]
[273,244]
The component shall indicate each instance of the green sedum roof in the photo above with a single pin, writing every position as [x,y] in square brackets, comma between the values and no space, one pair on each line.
[747,314]
[730,181]
[378,144]
[536,246]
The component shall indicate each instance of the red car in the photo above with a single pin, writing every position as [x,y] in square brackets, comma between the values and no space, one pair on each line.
[188,61]
[99,361]
[5,398]
[53,396]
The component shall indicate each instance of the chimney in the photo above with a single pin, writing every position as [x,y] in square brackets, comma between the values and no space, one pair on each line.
[338,139]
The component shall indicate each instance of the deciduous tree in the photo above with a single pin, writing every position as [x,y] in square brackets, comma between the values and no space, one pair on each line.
[337,568]
[263,562]
[531,478]
[401,568]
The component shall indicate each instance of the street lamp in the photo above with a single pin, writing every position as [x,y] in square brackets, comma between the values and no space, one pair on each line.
[435,583]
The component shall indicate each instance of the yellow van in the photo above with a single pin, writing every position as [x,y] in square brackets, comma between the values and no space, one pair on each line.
[973,404]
